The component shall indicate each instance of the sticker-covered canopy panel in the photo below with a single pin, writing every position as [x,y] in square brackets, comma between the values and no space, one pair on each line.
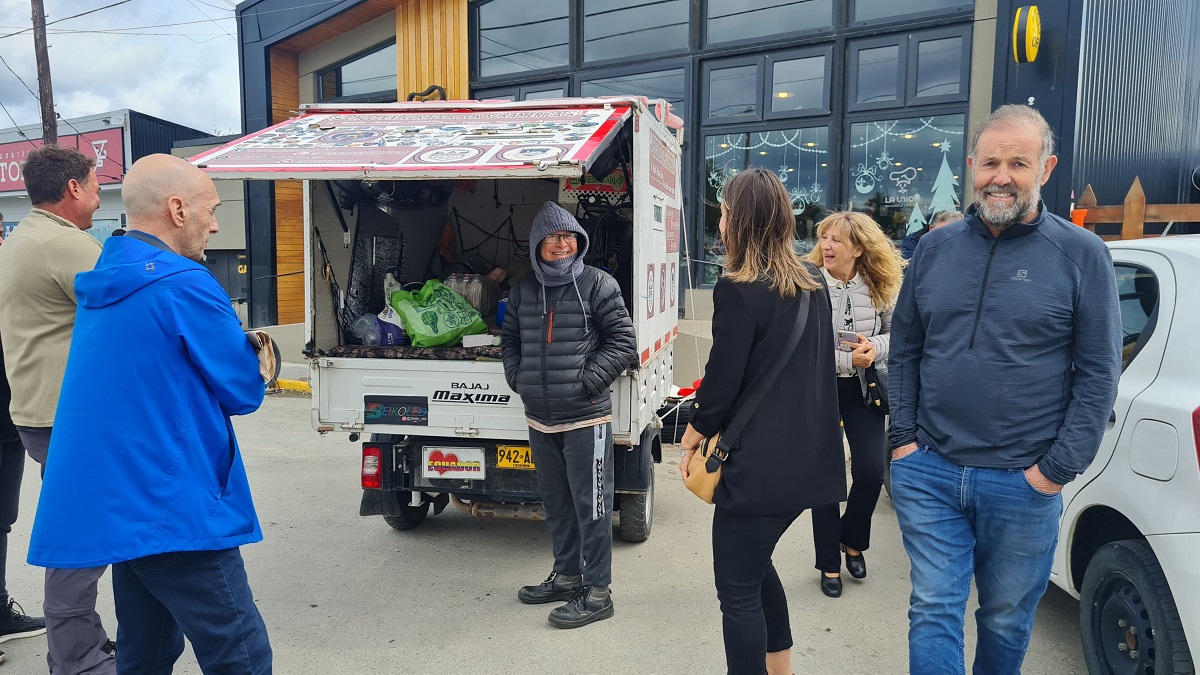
[405,144]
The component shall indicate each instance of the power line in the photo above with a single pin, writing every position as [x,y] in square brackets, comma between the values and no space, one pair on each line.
[74,16]
[206,16]
[208,4]
[35,96]
[16,126]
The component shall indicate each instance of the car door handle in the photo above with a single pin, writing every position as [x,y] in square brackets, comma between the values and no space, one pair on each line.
[1112,417]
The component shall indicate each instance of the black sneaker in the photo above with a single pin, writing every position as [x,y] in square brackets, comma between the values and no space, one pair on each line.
[582,610]
[556,588]
[15,624]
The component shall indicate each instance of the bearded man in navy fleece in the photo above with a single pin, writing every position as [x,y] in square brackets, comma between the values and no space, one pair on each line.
[1006,350]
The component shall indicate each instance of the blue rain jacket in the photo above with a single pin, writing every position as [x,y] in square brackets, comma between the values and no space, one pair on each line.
[143,458]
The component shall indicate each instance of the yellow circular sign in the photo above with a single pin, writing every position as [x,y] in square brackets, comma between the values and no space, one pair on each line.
[1027,34]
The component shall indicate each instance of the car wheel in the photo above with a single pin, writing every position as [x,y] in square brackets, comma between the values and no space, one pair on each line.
[407,516]
[1127,614]
[637,514]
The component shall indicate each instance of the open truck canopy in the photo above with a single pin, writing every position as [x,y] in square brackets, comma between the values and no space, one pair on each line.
[435,139]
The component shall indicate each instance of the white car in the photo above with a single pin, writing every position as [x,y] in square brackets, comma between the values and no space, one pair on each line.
[1129,541]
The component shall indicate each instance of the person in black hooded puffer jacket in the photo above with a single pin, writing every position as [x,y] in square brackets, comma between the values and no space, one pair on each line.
[567,337]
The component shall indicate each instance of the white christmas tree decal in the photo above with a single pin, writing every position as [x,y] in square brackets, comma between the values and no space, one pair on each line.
[917,220]
[945,196]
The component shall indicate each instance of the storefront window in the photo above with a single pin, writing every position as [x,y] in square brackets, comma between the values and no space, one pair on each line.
[733,91]
[620,28]
[939,67]
[800,157]
[730,20]
[798,84]
[877,75]
[873,10]
[664,84]
[903,171]
[517,36]
[365,75]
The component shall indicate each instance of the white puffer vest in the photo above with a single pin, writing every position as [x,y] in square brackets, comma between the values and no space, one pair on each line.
[877,326]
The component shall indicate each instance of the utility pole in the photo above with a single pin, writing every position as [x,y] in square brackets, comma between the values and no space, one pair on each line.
[45,90]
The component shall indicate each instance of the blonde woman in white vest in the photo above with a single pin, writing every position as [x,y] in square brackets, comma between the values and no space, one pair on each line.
[863,270]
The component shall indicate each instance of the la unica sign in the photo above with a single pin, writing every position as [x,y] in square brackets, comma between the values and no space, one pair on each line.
[1027,34]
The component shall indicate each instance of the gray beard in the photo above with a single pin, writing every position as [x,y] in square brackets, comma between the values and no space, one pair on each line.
[999,219]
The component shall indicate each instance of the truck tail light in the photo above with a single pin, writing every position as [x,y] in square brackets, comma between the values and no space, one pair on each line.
[372,467]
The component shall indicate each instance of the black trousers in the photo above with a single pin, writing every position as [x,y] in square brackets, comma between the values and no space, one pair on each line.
[754,612]
[12,468]
[868,452]
[575,479]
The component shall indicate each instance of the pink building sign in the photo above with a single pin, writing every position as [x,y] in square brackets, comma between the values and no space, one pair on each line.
[107,146]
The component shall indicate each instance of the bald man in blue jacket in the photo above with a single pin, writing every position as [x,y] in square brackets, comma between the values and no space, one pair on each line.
[147,476]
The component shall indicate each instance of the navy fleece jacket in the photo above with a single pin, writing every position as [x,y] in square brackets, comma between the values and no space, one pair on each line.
[1006,350]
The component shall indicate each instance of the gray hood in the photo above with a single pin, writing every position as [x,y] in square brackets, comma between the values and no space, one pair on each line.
[550,219]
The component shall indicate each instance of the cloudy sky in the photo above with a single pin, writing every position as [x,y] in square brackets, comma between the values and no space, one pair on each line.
[128,56]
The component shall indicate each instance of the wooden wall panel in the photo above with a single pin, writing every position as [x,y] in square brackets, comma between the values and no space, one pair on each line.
[431,40]
[289,195]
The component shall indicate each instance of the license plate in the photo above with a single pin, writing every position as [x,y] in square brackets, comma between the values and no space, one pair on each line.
[514,457]
[453,463]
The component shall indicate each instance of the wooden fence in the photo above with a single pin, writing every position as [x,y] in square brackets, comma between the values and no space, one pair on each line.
[1132,215]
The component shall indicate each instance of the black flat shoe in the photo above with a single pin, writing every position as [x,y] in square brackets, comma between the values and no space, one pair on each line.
[856,565]
[831,586]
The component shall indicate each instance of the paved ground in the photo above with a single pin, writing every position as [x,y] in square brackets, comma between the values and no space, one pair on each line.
[346,594]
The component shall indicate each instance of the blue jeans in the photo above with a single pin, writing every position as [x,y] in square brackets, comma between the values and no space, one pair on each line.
[201,594]
[958,521]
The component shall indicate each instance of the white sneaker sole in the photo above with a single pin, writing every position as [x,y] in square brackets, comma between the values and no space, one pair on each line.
[29,633]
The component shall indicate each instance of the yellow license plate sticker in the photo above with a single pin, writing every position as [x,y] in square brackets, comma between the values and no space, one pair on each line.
[514,457]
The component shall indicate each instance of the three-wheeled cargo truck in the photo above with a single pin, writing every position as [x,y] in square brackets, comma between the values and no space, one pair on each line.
[397,194]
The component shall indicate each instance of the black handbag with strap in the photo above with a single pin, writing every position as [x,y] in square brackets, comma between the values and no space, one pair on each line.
[876,395]
[704,469]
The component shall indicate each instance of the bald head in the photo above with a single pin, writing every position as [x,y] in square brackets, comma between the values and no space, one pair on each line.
[172,200]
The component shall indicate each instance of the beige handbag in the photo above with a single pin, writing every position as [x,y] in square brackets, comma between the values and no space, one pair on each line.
[704,469]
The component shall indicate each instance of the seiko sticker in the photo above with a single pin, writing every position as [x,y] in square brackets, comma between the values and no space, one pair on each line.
[411,410]
[452,463]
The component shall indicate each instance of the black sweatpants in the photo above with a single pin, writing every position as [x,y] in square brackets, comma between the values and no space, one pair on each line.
[865,432]
[575,478]
[754,612]
[12,468]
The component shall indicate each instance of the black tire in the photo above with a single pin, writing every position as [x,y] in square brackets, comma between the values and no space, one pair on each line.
[408,516]
[637,514]
[675,421]
[1127,614]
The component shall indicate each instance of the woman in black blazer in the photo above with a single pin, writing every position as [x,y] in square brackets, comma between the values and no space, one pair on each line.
[789,457]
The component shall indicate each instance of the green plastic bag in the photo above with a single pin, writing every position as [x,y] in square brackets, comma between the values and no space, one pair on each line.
[436,316]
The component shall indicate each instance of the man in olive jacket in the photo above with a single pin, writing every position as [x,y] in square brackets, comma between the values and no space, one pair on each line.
[567,336]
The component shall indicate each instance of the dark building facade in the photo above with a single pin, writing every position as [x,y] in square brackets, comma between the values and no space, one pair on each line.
[862,104]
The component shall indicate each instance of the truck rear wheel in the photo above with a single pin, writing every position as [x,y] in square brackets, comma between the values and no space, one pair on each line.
[637,514]
[407,516]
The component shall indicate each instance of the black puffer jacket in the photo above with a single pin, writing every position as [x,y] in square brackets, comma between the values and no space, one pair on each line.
[560,354]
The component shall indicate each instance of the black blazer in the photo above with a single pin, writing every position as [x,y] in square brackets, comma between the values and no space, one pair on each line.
[789,457]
